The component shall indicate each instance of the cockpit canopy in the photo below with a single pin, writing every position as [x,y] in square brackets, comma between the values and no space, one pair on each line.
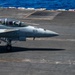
[12,23]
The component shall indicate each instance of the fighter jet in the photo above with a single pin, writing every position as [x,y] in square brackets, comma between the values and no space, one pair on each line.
[11,29]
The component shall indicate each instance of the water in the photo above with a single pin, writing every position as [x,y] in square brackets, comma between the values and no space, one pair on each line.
[48,4]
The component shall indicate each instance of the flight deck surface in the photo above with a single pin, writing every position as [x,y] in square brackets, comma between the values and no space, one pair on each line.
[47,56]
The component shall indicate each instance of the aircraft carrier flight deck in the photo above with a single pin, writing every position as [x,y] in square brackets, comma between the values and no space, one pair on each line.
[42,56]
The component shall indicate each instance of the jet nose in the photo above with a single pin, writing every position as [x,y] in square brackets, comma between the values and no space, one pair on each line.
[55,34]
[51,33]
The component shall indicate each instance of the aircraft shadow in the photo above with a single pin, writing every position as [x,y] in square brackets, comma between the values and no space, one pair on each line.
[20,49]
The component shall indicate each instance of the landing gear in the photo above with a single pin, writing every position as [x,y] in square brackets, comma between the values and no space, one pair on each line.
[8,46]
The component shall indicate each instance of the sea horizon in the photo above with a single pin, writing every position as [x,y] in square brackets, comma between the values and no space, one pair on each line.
[37,4]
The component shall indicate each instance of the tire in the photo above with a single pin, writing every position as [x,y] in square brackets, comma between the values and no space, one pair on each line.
[8,48]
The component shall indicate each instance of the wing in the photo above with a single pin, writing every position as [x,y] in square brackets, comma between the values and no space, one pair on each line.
[8,33]
[7,30]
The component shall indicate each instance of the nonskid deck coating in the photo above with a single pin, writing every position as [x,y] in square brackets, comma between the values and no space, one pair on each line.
[47,56]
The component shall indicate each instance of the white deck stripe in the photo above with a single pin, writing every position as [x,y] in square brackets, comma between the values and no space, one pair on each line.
[52,39]
[40,61]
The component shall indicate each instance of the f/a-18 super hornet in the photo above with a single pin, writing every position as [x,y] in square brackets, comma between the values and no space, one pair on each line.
[11,30]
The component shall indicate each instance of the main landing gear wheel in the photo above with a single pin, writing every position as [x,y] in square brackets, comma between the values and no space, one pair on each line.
[8,46]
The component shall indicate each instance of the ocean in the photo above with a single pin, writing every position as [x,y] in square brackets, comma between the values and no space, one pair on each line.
[48,4]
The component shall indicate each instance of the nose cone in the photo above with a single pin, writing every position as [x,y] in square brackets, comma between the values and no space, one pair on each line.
[45,33]
[51,33]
